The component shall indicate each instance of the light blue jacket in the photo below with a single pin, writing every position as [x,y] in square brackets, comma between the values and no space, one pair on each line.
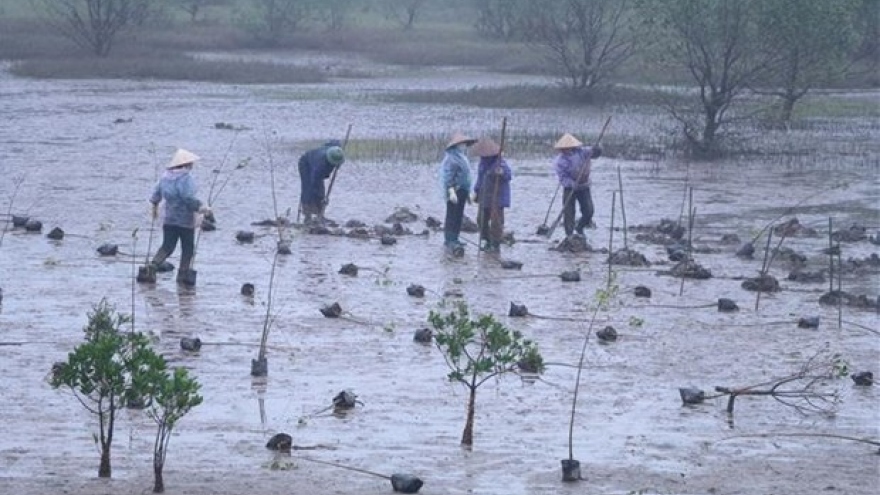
[455,170]
[178,188]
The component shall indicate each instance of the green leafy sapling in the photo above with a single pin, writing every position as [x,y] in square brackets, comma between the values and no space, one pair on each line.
[102,372]
[475,350]
[174,395]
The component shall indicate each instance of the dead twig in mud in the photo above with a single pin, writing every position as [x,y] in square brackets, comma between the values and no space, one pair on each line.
[806,396]
[805,435]
[342,466]
[862,327]
[16,185]
[765,267]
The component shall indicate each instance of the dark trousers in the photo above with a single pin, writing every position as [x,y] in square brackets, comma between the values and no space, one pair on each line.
[583,198]
[492,224]
[454,216]
[170,235]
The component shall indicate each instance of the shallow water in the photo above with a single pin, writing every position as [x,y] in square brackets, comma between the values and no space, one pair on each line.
[91,177]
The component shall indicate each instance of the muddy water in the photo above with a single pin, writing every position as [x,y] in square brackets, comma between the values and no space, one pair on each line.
[90,176]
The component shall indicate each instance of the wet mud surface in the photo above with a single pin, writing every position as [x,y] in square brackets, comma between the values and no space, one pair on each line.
[91,177]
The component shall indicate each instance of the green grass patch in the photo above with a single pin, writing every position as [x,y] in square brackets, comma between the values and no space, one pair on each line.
[428,147]
[535,96]
[170,67]
[850,105]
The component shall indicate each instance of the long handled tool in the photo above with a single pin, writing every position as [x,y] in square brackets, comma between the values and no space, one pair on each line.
[549,232]
[147,273]
[496,184]
[335,171]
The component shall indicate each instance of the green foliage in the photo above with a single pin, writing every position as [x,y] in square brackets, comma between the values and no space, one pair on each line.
[478,349]
[108,371]
[174,395]
[811,43]
[104,319]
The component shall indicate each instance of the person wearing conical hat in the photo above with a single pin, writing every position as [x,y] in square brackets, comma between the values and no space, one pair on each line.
[572,165]
[491,192]
[315,166]
[455,170]
[177,189]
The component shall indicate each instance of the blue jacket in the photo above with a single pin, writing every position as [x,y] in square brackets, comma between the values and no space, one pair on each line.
[491,185]
[573,170]
[313,170]
[455,170]
[178,188]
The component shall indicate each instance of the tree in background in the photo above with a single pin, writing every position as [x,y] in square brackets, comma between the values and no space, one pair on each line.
[502,19]
[194,7]
[810,43]
[93,24]
[403,12]
[868,27]
[270,20]
[717,42]
[587,40]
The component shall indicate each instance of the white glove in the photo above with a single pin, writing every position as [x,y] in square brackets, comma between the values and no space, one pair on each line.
[205,210]
[453,198]
[474,197]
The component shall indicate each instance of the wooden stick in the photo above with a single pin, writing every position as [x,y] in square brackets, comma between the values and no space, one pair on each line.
[622,208]
[336,169]
[611,238]
[492,207]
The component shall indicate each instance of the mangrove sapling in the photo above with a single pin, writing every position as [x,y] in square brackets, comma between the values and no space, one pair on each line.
[104,372]
[260,366]
[571,467]
[476,350]
[174,395]
[283,246]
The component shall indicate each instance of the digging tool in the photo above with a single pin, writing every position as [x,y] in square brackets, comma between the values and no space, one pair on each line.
[496,184]
[147,273]
[335,171]
[549,230]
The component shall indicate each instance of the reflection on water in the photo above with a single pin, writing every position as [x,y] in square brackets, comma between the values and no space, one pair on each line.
[91,177]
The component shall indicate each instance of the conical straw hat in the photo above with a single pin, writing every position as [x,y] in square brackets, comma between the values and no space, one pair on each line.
[459,138]
[486,147]
[182,157]
[567,141]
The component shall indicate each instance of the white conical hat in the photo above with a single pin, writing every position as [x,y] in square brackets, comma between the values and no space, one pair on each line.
[182,157]
[567,141]
[459,138]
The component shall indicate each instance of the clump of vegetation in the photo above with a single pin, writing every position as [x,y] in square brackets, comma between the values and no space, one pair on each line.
[114,369]
[105,372]
[476,350]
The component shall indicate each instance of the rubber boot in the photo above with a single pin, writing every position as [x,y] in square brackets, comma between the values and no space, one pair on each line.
[159,258]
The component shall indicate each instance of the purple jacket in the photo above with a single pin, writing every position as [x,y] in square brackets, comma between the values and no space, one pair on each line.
[489,184]
[573,170]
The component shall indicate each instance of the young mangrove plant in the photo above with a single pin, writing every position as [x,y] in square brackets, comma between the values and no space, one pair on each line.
[105,373]
[260,366]
[571,467]
[476,350]
[175,393]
